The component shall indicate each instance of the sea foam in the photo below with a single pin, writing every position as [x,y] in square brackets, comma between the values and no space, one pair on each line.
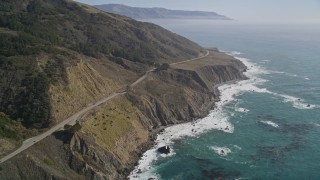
[222,151]
[273,124]
[217,118]
[255,70]
[244,110]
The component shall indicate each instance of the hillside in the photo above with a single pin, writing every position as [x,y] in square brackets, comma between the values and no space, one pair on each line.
[58,57]
[114,136]
[158,13]
[41,38]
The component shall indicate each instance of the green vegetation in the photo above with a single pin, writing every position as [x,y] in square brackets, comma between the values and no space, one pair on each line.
[48,162]
[25,92]
[56,29]
[9,129]
[13,130]
[43,25]
[73,129]
[162,67]
[112,122]
[67,127]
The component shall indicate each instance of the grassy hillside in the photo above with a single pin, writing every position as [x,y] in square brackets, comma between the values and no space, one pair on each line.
[58,29]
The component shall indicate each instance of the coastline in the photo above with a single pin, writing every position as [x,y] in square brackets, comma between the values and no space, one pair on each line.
[159,137]
[214,118]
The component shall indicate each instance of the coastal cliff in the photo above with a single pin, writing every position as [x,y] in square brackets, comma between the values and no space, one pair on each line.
[59,57]
[114,136]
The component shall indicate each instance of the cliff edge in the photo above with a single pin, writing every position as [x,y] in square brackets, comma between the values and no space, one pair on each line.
[58,57]
[114,136]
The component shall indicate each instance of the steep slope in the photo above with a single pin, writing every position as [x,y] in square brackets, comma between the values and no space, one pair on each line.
[158,13]
[41,38]
[114,136]
[49,23]
[59,56]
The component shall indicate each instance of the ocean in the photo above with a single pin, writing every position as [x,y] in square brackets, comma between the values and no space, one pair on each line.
[267,127]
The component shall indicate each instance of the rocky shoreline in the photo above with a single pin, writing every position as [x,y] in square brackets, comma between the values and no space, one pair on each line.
[151,143]
[114,137]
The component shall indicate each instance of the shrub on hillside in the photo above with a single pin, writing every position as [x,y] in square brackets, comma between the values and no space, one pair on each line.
[163,66]
[73,129]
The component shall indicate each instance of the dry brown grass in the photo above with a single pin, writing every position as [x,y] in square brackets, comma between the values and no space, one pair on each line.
[109,124]
[214,58]
[7,145]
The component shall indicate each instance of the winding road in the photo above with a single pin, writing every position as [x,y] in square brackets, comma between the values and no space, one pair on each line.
[72,119]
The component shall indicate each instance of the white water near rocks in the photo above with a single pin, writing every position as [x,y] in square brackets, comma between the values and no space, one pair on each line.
[273,124]
[222,151]
[275,119]
[217,119]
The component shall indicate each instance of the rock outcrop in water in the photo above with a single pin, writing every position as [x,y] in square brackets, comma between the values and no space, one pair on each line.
[164,150]
[58,70]
[114,136]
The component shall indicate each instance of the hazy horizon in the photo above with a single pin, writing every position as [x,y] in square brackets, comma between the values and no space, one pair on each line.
[285,11]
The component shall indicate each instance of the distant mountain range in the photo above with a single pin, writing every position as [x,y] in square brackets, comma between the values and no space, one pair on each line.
[158,13]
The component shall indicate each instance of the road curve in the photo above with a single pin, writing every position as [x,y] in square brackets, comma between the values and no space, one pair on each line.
[72,119]
[197,58]
[153,69]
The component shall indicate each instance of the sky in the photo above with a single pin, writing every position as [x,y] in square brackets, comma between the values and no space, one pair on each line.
[283,11]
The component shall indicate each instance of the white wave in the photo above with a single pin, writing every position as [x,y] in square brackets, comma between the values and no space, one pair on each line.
[280,72]
[306,78]
[217,119]
[236,53]
[252,74]
[253,70]
[222,151]
[286,73]
[276,72]
[242,110]
[232,53]
[264,61]
[296,102]
[316,124]
[273,124]
[238,147]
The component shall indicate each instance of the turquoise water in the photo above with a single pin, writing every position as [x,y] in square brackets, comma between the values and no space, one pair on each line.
[275,121]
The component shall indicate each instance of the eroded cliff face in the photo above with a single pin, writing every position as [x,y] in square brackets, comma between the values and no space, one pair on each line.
[115,135]
[185,92]
[84,85]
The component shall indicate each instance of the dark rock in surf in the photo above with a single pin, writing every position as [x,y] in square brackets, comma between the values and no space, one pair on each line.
[164,150]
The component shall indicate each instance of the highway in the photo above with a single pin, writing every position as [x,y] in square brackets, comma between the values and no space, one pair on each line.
[72,119]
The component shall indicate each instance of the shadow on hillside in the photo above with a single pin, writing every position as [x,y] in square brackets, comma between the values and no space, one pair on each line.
[63,136]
